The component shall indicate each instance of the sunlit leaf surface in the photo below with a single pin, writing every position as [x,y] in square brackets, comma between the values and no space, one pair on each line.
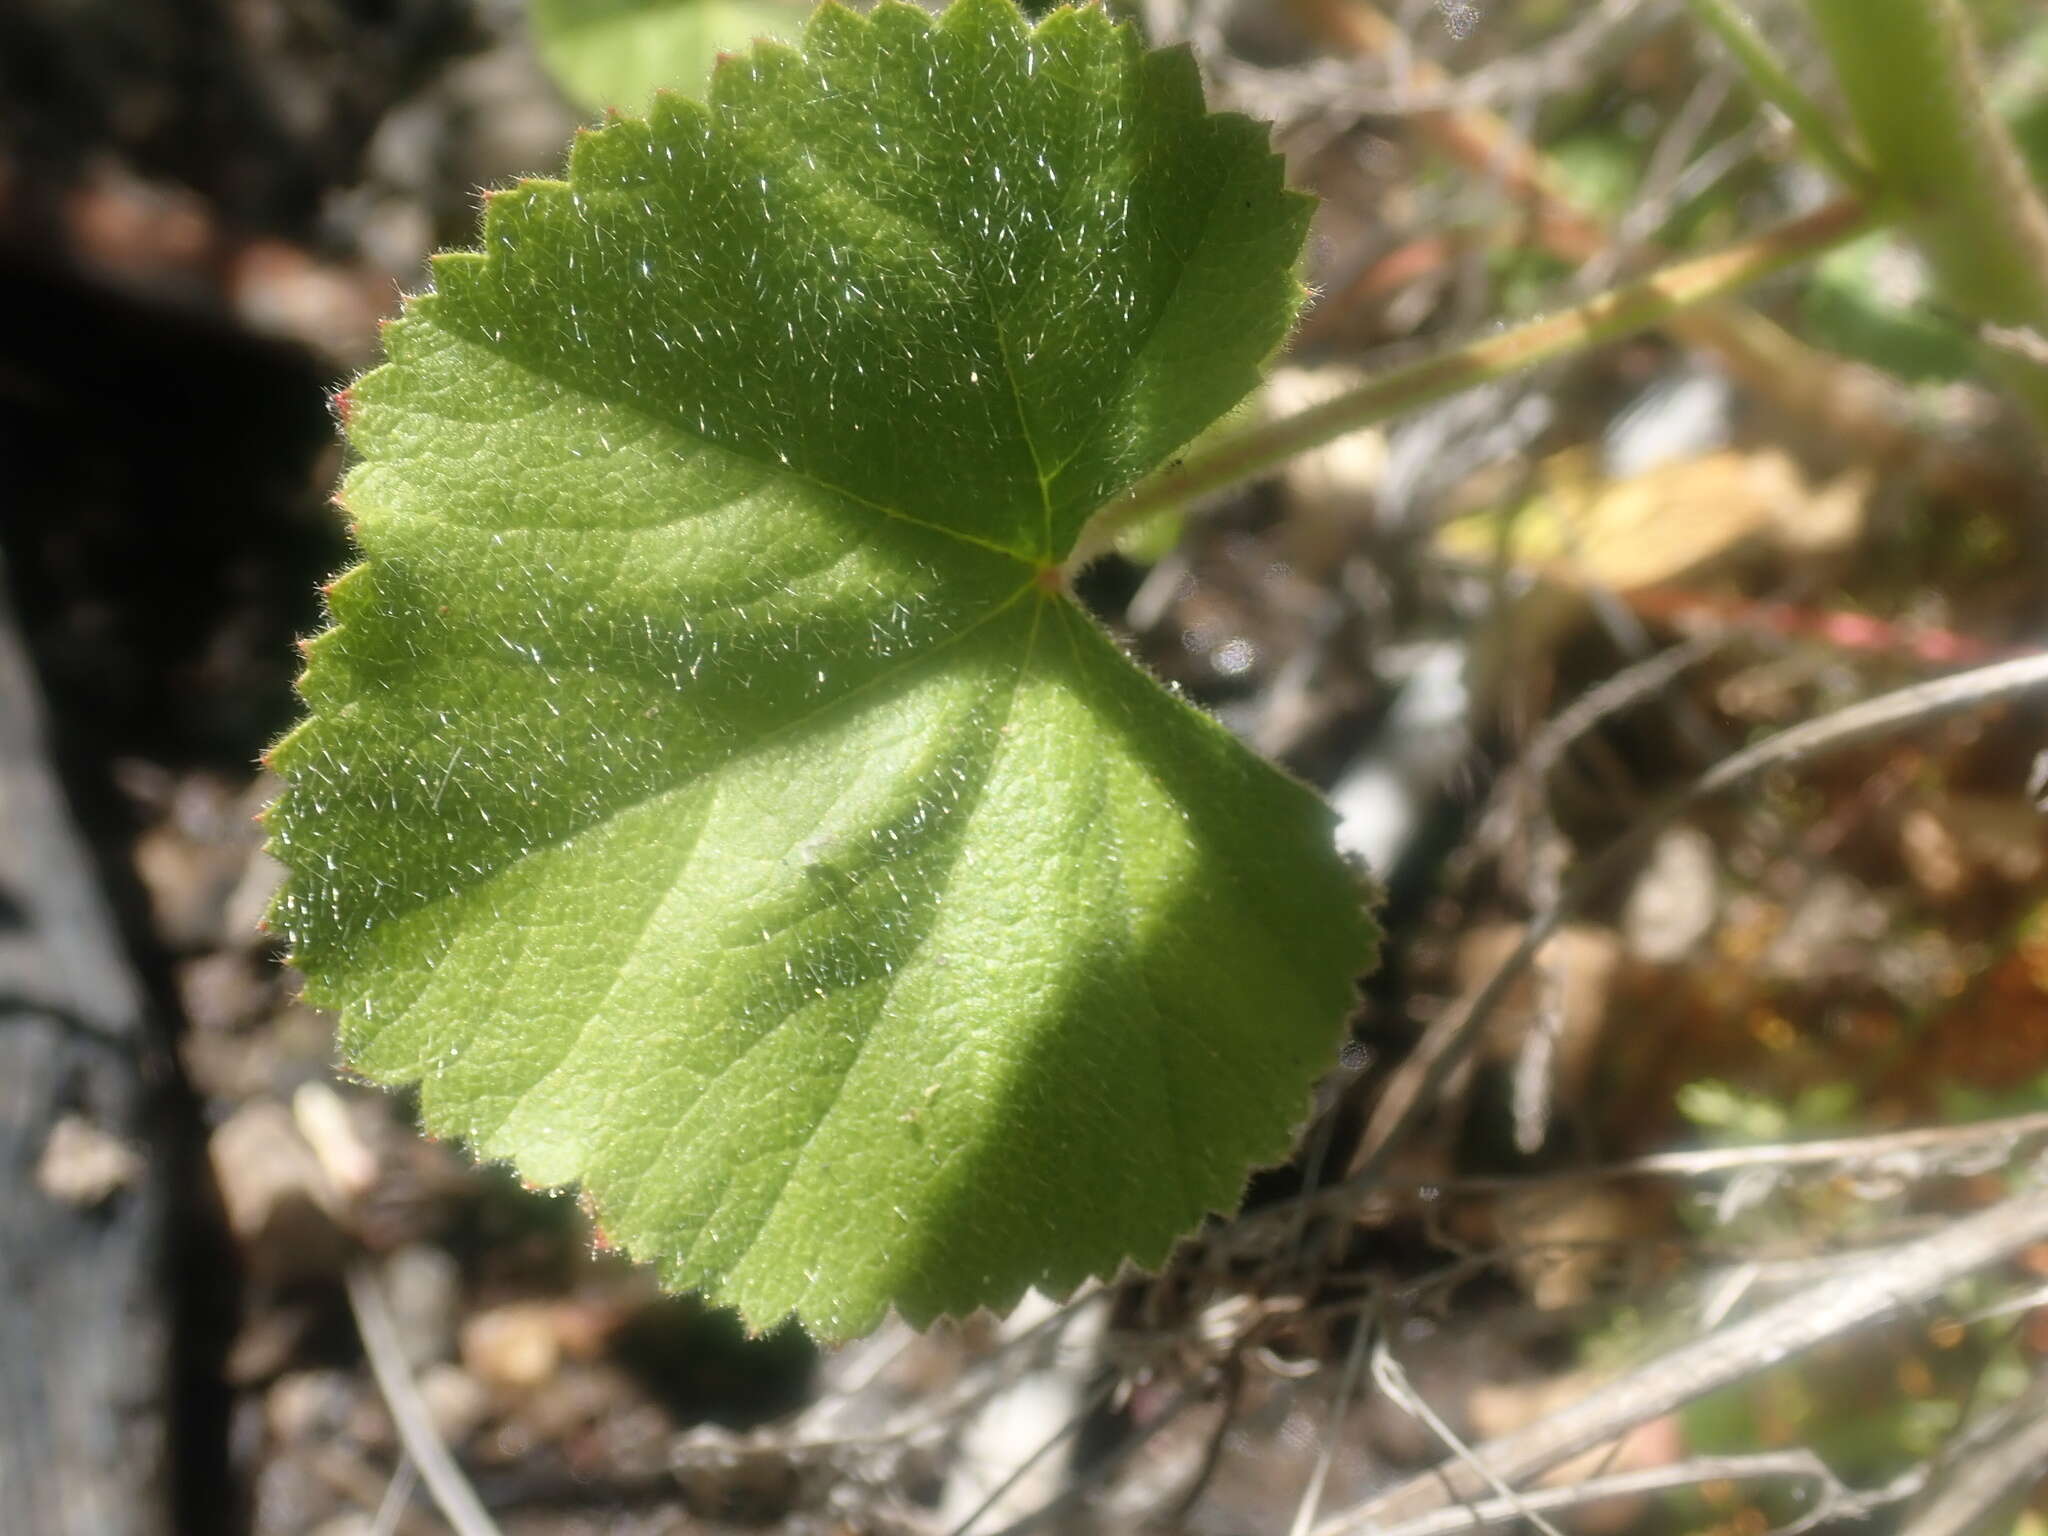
[709,797]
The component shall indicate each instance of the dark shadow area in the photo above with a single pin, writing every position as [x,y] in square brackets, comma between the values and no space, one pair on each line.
[698,1362]
[163,536]
[166,527]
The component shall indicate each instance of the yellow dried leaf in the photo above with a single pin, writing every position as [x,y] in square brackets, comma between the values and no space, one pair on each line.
[1674,521]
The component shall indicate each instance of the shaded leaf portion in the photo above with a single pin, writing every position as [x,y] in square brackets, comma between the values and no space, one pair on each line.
[709,797]
[618,53]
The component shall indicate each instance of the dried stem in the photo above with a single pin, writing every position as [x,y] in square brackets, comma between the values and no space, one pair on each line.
[1393,1381]
[1927,1143]
[1347,1383]
[1884,1283]
[2002,1470]
[1830,1499]
[451,1491]
[1621,312]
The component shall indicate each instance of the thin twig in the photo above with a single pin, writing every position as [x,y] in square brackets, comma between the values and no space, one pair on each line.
[1393,1381]
[1516,803]
[1023,1469]
[1834,1502]
[1547,748]
[812,1437]
[417,1432]
[1347,1383]
[1704,1162]
[2006,1306]
[1297,94]
[1886,1282]
[2003,1469]
[1481,141]
[1878,717]
[404,1478]
[1103,1468]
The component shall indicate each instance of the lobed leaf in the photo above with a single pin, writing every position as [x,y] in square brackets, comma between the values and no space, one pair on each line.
[709,795]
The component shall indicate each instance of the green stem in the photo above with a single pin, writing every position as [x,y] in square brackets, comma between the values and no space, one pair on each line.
[1623,311]
[1773,82]
[1910,73]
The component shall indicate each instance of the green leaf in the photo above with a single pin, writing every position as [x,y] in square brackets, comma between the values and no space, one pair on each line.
[1874,300]
[710,795]
[618,53]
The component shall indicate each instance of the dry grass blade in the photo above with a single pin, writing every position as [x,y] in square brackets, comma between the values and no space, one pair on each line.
[451,1491]
[1834,1501]
[1928,1146]
[1393,1381]
[1347,1383]
[2000,1471]
[1886,1281]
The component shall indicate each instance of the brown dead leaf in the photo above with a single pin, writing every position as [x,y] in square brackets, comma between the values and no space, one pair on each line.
[1572,974]
[1562,1241]
[1678,520]
[1949,847]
